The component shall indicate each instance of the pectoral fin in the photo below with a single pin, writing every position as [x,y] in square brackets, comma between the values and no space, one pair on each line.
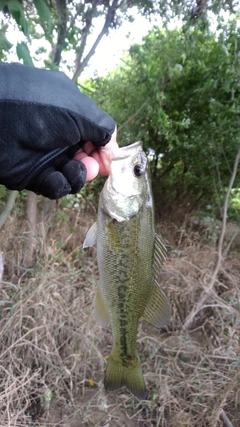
[100,309]
[91,236]
[157,311]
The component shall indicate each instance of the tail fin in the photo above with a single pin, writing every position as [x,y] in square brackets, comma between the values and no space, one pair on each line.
[119,374]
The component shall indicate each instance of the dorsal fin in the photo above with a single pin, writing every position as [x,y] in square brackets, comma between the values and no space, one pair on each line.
[160,252]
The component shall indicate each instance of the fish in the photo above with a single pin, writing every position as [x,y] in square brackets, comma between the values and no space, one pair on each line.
[129,255]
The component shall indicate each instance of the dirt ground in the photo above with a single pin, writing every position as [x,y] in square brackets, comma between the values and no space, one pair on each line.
[53,353]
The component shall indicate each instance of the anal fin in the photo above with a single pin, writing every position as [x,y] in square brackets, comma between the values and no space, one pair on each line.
[100,309]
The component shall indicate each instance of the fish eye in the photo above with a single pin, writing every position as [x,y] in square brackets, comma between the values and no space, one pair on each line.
[138,170]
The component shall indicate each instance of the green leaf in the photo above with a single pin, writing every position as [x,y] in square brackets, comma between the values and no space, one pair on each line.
[16,10]
[24,54]
[44,13]
[4,43]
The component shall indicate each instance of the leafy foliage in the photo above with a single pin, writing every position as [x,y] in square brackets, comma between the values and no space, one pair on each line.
[66,26]
[192,10]
[24,54]
[5,45]
[178,92]
[15,9]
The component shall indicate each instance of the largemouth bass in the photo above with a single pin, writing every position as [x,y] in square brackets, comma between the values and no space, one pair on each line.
[129,254]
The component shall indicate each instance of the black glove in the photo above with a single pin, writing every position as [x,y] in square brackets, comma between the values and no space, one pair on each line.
[44,120]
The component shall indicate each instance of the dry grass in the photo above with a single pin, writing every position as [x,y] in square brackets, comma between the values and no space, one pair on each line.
[52,350]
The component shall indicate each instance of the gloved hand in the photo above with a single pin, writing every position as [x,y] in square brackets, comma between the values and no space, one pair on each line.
[44,121]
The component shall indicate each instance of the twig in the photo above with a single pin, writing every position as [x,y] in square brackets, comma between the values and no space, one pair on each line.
[1,266]
[230,243]
[225,419]
[132,117]
[209,288]
[85,88]
[80,65]
[31,242]
[8,207]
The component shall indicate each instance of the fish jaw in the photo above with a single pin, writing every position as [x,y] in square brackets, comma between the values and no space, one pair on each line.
[125,191]
[118,208]
[107,153]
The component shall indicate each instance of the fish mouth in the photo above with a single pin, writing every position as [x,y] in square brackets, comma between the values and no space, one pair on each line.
[119,153]
[125,152]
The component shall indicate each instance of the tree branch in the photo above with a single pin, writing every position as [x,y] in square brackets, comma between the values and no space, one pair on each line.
[1,266]
[225,419]
[30,243]
[61,8]
[81,48]
[132,117]
[80,65]
[210,286]
[79,11]
[8,208]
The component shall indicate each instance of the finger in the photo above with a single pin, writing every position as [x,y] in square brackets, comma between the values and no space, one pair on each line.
[75,172]
[56,184]
[90,163]
[96,155]
[97,160]
[92,167]
[50,183]
[88,148]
